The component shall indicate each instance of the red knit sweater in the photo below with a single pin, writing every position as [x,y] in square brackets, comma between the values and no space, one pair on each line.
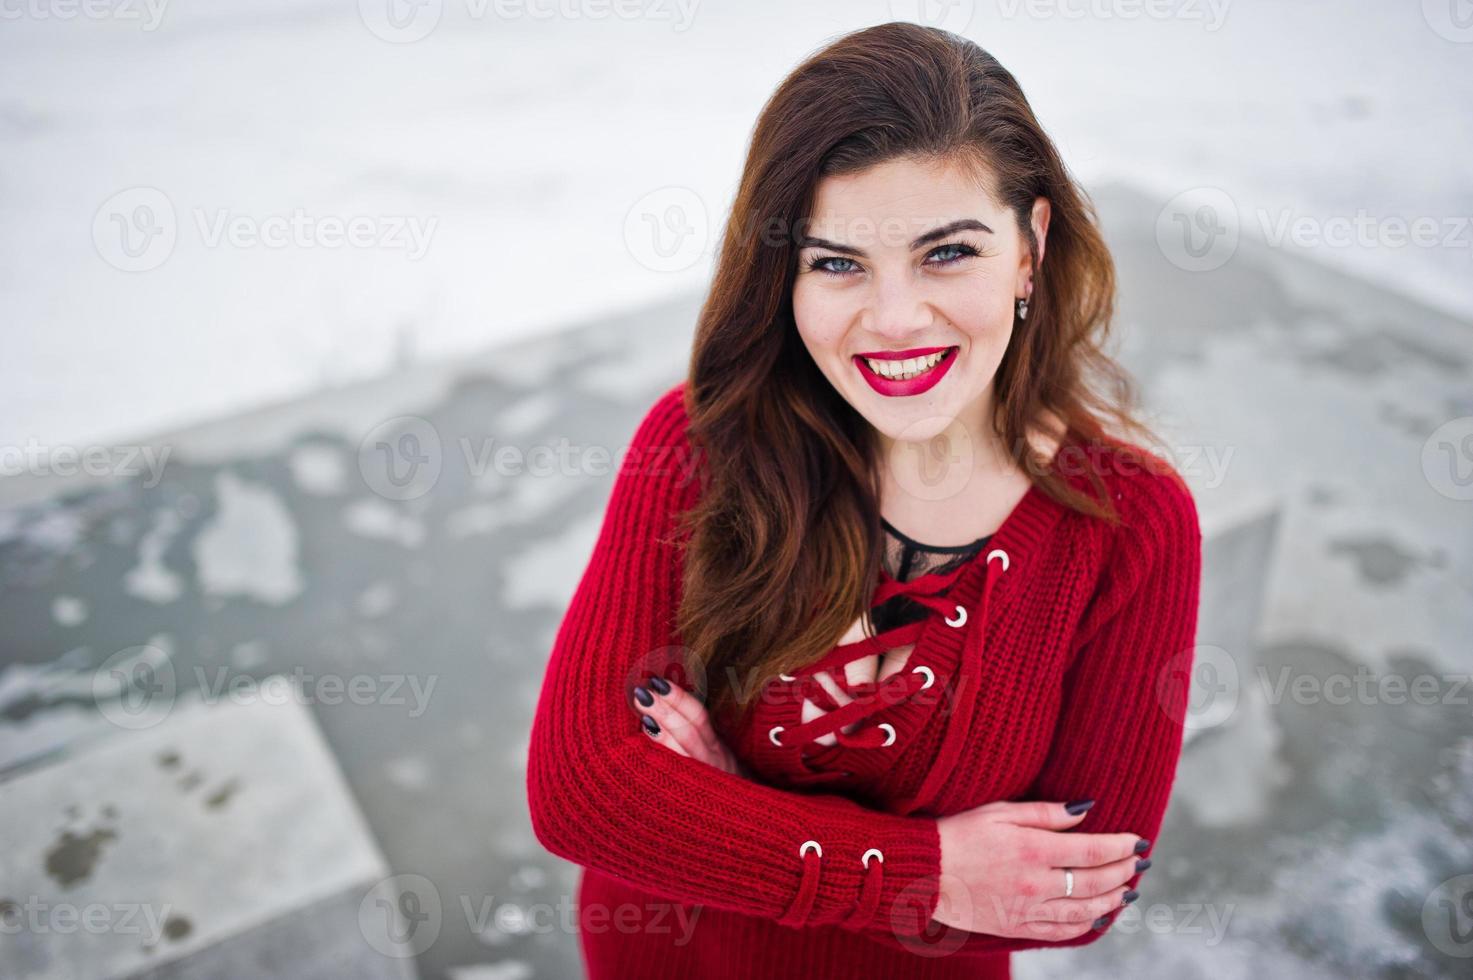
[1055,667]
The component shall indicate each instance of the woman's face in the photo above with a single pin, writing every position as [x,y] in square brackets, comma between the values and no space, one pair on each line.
[914,259]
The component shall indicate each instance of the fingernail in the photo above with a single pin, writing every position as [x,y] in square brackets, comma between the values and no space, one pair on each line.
[1142,846]
[1129,897]
[1143,864]
[643,697]
[1102,921]
[650,725]
[660,685]
[1078,806]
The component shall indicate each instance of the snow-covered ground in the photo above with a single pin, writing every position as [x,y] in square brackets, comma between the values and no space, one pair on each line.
[501,166]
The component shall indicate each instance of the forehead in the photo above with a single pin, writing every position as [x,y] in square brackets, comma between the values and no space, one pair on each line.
[903,196]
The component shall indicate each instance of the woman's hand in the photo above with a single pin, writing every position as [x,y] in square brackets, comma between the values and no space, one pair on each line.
[1002,871]
[674,718]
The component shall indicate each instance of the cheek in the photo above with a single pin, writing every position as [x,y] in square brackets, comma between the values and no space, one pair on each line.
[820,320]
[983,312]
[978,299]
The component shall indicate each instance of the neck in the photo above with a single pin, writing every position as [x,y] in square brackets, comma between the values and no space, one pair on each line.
[940,466]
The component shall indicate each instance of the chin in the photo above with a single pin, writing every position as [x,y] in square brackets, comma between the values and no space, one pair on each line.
[911,425]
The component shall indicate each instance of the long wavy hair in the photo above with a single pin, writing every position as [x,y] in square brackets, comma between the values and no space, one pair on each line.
[784,547]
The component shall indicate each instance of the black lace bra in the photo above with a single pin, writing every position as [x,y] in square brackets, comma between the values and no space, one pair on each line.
[905,559]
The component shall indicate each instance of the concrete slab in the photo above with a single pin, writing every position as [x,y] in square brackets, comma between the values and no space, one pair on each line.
[156,845]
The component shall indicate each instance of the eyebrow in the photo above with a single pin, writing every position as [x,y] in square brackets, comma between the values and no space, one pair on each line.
[965,224]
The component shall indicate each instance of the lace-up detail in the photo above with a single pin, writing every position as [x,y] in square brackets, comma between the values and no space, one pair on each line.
[811,853]
[870,697]
[929,591]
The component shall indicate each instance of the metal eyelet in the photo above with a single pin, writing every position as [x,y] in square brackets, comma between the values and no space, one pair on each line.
[961,618]
[930,677]
[890,739]
[864,859]
[772,735]
[803,849]
[1000,552]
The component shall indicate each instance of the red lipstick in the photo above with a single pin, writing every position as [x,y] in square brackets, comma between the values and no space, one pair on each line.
[892,387]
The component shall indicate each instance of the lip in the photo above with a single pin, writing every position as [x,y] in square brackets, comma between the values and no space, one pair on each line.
[899,355]
[891,388]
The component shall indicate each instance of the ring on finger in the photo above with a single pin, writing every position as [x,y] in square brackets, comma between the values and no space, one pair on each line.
[1068,882]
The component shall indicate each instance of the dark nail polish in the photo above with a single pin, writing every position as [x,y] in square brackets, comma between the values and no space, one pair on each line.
[1078,806]
[1102,921]
[650,725]
[1142,864]
[660,685]
[643,697]
[1129,897]
[1142,846]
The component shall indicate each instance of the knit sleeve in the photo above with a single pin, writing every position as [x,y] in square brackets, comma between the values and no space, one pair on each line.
[1120,728]
[602,794]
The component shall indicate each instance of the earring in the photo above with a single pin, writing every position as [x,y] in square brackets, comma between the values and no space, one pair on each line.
[1022,309]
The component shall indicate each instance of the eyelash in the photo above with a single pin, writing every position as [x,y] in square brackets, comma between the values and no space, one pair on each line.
[967,251]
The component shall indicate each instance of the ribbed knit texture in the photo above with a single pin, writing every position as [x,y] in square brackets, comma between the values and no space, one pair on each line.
[1081,655]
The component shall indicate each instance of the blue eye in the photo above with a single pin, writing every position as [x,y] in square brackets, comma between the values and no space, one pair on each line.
[961,250]
[954,252]
[821,265]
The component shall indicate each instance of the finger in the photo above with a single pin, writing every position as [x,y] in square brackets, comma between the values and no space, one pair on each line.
[1071,911]
[677,727]
[1059,923]
[1079,850]
[1048,932]
[655,718]
[1105,878]
[658,734]
[689,707]
[1036,813]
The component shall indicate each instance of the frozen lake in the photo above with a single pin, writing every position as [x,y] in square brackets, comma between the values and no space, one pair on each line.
[1319,823]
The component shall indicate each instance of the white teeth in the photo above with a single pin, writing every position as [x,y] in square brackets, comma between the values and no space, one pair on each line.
[908,368]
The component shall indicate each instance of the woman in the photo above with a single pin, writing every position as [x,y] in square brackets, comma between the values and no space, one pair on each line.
[879,666]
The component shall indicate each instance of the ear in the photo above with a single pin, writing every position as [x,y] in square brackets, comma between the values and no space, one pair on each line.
[1039,222]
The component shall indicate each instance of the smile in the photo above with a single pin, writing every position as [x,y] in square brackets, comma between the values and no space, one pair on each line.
[908,372]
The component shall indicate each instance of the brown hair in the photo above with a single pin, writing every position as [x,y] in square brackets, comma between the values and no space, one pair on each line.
[785,543]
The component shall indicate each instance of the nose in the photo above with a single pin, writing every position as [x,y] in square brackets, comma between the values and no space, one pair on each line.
[898,310]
